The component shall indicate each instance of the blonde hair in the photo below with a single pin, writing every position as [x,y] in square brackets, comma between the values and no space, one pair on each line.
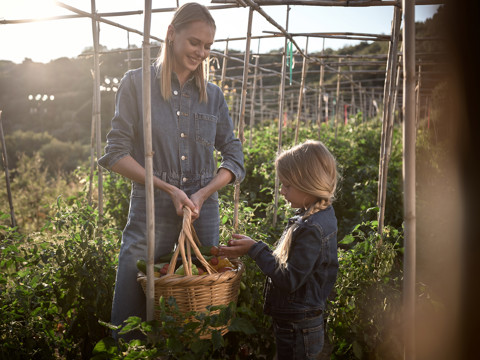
[311,168]
[183,17]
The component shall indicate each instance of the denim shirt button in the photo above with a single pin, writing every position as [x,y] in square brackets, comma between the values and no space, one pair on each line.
[175,92]
[183,157]
[182,135]
[178,113]
[184,179]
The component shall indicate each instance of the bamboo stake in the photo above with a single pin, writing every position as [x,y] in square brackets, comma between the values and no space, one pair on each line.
[147,134]
[300,93]
[409,140]
[7,173]
[224,67]
[97,108]
[320,94]
[241,122]
[417,100]
[388,118]
[280,120]
[352,102]
[361,101]
[252,104]
[261,101]
[337,104]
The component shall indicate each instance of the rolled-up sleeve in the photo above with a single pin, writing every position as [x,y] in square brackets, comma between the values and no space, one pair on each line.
[121,138]
[228,145]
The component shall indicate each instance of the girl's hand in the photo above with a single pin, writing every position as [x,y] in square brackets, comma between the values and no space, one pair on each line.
[180,199]
[237,246]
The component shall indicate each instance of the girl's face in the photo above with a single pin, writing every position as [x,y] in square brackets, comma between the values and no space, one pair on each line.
[191,45]
[296,197]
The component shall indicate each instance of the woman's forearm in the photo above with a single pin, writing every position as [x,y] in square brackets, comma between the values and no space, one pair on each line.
[221,179]
[132,170]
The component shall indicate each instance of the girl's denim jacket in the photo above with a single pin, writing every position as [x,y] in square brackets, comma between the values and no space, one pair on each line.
[300,289]
[185,131]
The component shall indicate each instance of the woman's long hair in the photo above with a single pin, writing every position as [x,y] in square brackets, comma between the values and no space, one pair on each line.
[311,168]
[183,17]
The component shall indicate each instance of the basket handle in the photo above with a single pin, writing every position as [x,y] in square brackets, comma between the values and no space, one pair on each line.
[188,240]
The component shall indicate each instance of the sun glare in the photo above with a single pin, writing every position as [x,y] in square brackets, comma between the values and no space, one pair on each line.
[37,9]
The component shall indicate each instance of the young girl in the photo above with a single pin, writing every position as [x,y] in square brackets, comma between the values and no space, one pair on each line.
[302,270]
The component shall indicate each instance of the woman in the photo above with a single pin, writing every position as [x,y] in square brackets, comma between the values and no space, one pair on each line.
[189,120]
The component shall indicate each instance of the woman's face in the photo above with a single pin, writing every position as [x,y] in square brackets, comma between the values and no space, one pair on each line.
[191,45]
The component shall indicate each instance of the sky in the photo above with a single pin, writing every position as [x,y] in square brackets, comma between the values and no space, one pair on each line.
[43,41]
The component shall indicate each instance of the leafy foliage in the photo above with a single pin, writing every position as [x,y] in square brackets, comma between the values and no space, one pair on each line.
[58,276]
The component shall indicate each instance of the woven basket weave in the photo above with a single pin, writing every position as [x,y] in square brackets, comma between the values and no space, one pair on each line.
[195,292]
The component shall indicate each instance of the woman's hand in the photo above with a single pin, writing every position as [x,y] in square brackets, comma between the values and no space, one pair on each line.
[197,200]
[237,246]
[180,199]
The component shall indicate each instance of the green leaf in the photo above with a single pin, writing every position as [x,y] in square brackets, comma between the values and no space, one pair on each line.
[105,346]
[242,325]
[348,239]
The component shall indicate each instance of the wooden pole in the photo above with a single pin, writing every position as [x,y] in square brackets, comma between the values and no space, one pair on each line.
[361,101]
[337,104]
[352,101]
[129,56]
[300,93]
[280,120]
[321,93]
[261,101]
[417,97]
[409,176]
[224,67]
[387,124]
[252,103]
[243,101]
[97,108]
[7,174]
[147,134]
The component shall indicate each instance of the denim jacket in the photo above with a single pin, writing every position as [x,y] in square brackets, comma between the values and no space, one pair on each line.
[185,131]
[300,289]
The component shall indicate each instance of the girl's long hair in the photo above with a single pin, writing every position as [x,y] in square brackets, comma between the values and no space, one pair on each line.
[311,168]
[183,17]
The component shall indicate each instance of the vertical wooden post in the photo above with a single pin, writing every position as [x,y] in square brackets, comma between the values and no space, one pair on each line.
[261,101]
[417,98]
[337,104]
[387,125]
[147,134]
[352,90]
[129,56]
[280,119]
[97,107]
[241,123]
[409,176]
[321,94]
[252,104]
[361,101]
[224,66]
[300,93]
[7,174]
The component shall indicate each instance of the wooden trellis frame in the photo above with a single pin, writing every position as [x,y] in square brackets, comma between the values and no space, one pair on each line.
[390,97]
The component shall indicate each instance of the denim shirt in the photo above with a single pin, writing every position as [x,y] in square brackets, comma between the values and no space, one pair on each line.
[302,287]
[185,131]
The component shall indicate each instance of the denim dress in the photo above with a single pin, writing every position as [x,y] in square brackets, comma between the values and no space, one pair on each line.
[185,134]
[295,295]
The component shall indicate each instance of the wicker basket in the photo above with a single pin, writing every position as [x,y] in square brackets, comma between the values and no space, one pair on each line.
[195,292]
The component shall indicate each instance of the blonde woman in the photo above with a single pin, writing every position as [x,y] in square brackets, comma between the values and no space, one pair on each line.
[189,120]
[302,270]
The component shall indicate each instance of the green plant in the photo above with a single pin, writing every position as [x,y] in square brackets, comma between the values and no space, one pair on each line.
[364,314]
